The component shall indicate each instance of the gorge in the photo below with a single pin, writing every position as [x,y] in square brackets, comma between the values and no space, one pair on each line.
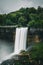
[20,42]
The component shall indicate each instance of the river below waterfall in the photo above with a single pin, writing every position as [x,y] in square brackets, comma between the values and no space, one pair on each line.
[5,48]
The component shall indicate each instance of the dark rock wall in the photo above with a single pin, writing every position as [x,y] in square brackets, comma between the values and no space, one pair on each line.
[9,35]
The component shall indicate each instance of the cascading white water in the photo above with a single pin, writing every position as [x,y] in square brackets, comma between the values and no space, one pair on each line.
[20,42]
[20,39]
[23,38]
[17,41]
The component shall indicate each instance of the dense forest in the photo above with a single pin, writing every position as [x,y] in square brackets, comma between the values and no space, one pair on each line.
[24,17]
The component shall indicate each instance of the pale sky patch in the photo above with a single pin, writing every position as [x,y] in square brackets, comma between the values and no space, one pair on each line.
[7,6]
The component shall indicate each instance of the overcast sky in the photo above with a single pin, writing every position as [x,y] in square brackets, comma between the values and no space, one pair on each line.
[7,6]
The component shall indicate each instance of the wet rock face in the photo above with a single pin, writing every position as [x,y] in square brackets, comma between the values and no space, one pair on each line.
[9,35]
[8,62]
[22,59]
[36,36]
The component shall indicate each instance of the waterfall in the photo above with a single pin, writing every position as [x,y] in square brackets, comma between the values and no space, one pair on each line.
[20,42]
[17,40]
[20,39]
[23,39]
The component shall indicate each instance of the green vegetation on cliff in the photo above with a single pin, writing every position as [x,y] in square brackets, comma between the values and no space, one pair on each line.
[37,51]
[24,17]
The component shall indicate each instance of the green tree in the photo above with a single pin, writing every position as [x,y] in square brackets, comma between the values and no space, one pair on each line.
[1,19]
[32,10]
[22,21]
[36,24]
[37,51]
[8,22]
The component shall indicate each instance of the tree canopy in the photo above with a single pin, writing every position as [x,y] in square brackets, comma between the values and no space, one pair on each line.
[24,17]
